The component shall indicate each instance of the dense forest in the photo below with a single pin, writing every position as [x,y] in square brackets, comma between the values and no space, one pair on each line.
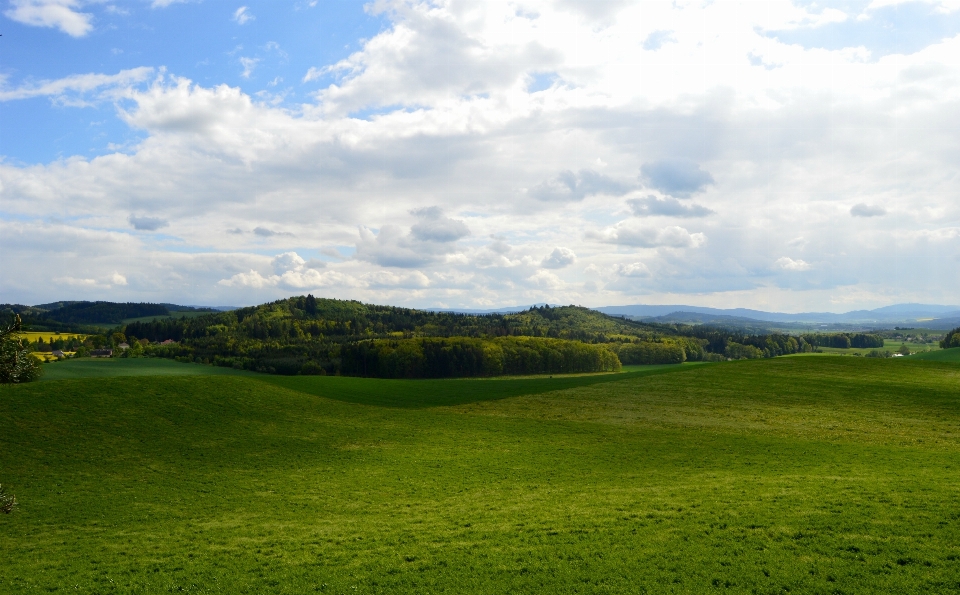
[308,335]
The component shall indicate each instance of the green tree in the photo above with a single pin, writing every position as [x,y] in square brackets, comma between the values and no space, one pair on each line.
[952,339]
[16,363]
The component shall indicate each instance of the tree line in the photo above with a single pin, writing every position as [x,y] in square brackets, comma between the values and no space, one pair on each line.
[951,339]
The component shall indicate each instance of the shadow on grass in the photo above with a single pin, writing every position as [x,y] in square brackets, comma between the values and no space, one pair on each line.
[419,394]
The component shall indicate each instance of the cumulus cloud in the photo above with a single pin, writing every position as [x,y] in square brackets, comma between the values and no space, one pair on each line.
[559,258]
[546,280]
[667,207]
[59,14]
[788,264]
[393,248]
[641,236]
[290,271]
[675,177]
[435,227]
[569,186]
[865,210]
[145,223]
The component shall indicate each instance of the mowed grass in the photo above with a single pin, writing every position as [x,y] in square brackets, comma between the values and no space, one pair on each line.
[802,475]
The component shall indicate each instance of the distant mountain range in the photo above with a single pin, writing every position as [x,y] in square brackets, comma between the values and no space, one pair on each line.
[920,315]
[931,316]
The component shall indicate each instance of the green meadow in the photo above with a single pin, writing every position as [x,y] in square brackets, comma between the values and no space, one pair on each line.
[785,475]
[944,355]
[114,367]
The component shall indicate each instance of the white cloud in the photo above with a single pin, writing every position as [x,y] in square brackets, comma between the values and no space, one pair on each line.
[577,186]
[59,14]
[629,233]
[437,111]
[788,264]
[248,65]
[546,280]
[103,283]
[243,16]
[313,73]
[78,83]
[666,207]
[433,226]
[559,258]
[393,279]
[633,269]
[291,271]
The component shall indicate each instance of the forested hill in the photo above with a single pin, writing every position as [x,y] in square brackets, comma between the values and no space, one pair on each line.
[309,335]
[343,321]
[74,315]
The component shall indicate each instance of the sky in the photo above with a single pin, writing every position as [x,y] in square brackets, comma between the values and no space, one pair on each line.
[788,156]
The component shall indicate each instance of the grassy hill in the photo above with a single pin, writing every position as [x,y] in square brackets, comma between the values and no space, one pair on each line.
[942,355]
[803,475]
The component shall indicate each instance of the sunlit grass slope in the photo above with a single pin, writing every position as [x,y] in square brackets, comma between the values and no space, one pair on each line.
[802,475]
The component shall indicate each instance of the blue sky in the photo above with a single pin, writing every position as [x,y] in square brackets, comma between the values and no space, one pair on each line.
[203,41]
[775,155]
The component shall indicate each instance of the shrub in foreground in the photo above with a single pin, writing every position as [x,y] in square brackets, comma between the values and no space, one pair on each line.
[16,363]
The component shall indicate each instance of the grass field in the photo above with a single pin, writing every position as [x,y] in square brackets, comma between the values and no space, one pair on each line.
[942,355]
[112,367]
[800,475]
[888,345]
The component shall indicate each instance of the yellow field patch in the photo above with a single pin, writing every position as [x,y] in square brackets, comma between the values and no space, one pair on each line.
[47,357]
[48,336]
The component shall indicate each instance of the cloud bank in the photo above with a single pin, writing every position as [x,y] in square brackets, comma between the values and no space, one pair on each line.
[662,161]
